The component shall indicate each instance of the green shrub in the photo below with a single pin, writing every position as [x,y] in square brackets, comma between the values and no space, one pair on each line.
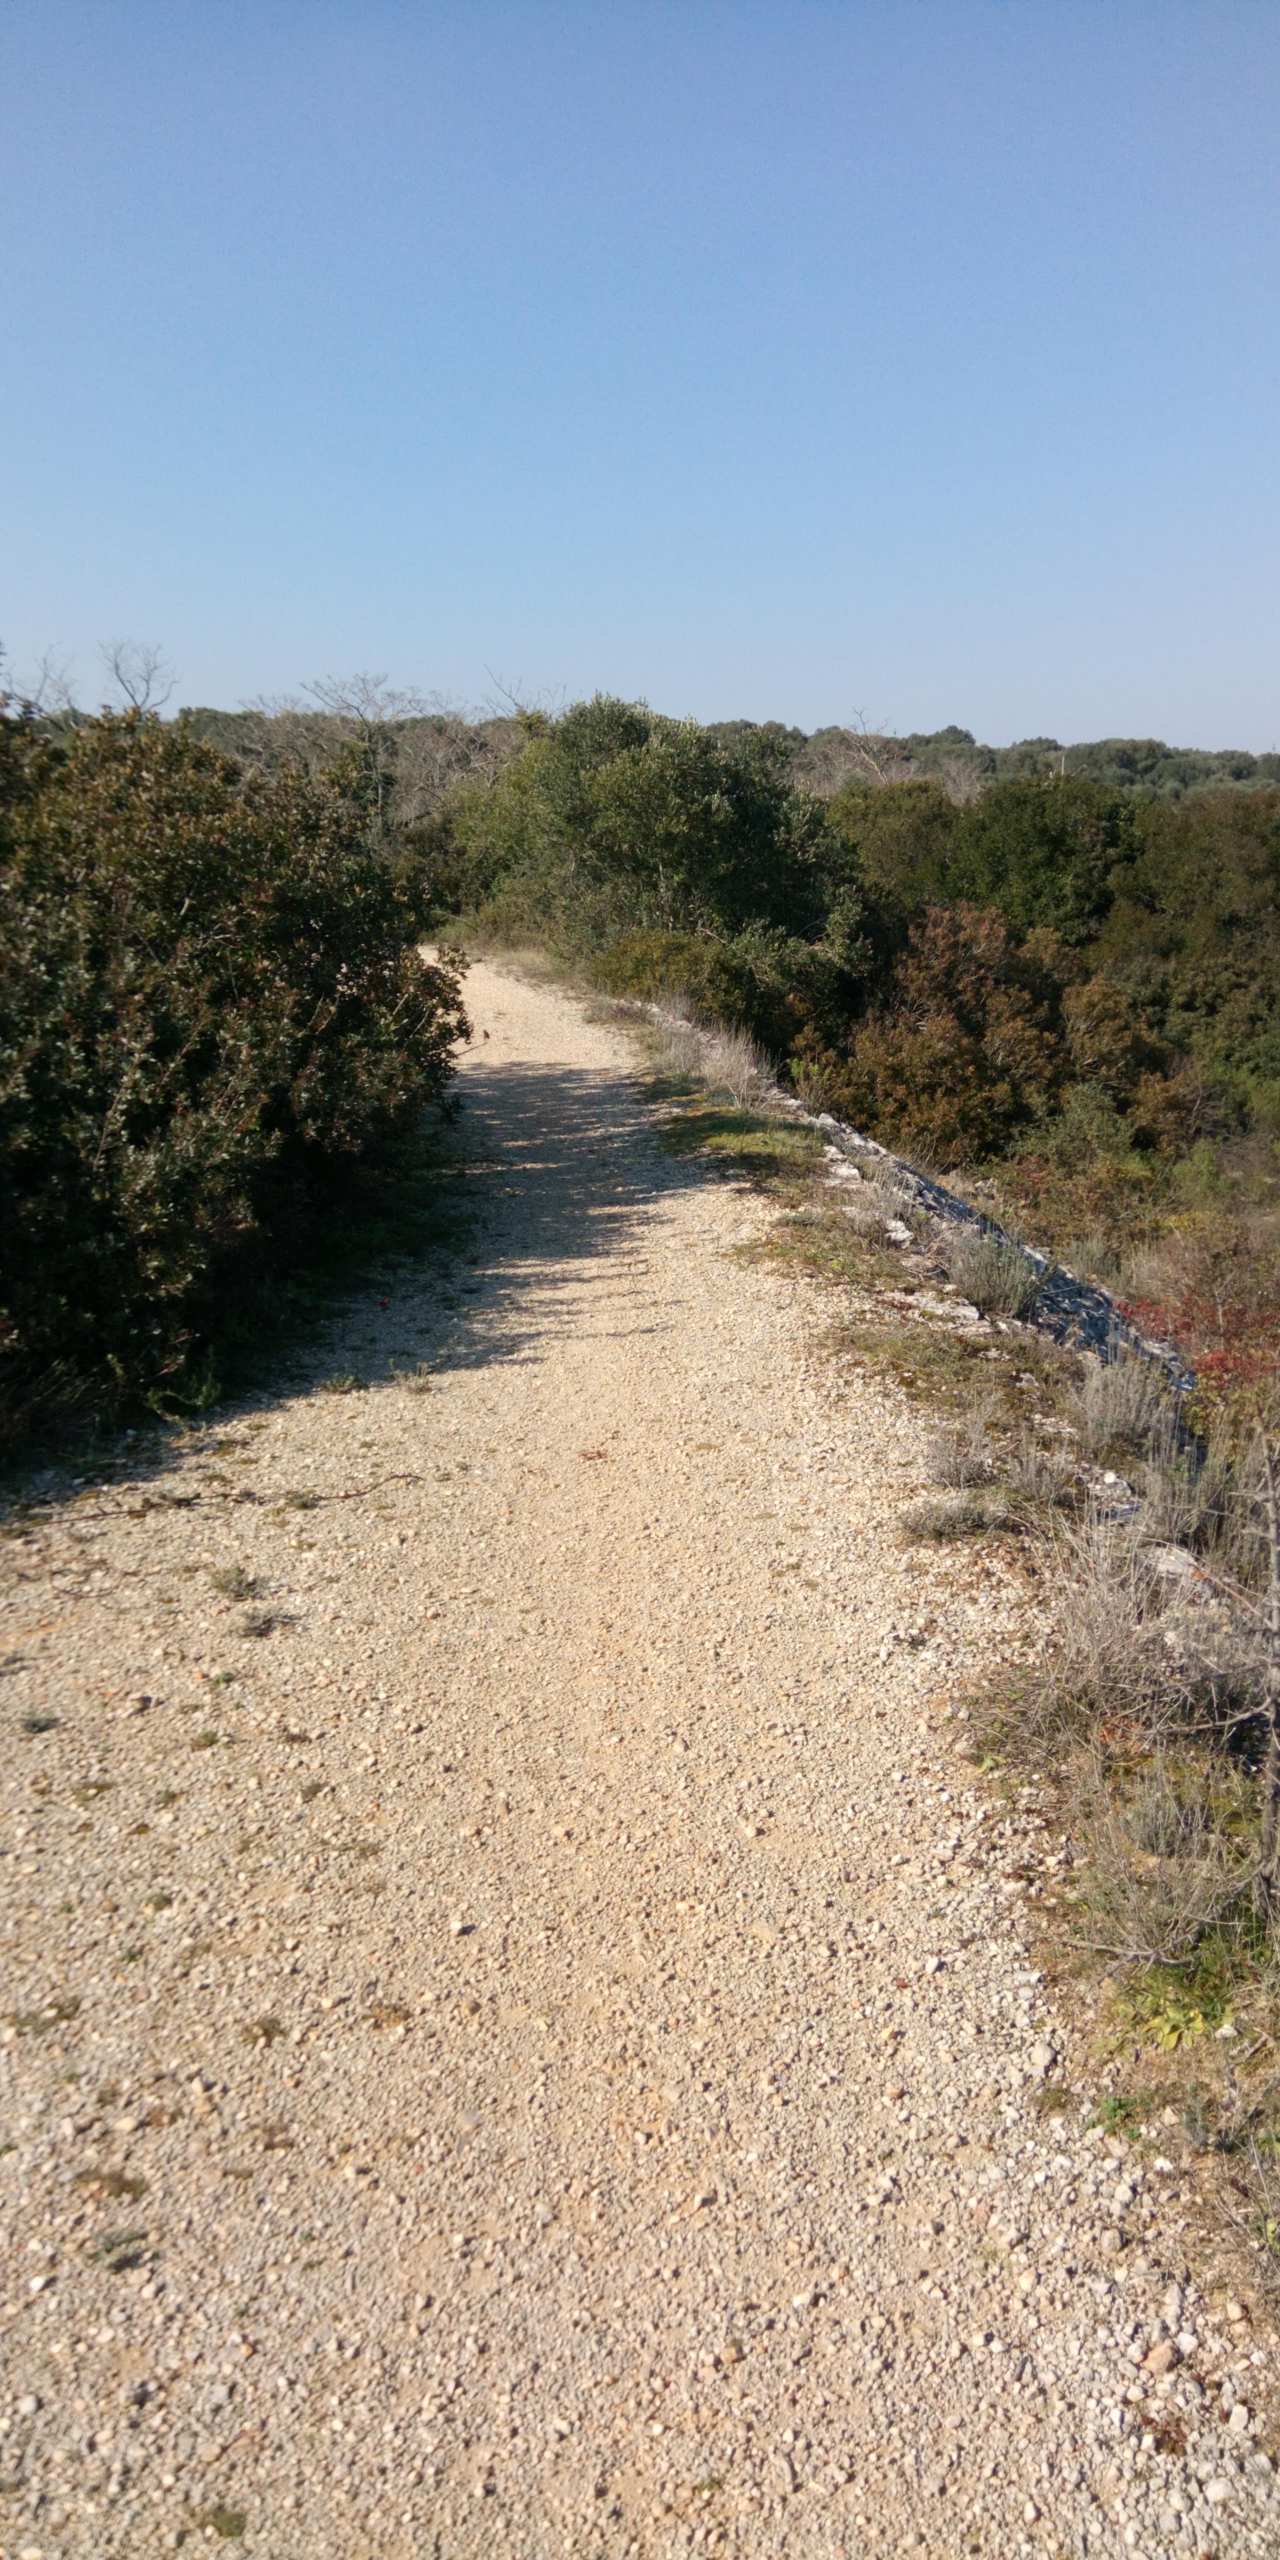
[1084,1131]
[767,985]
[615,821]
[210,999]
[688,967]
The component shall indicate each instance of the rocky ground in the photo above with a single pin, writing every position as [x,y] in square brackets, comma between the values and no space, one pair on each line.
[520,2029]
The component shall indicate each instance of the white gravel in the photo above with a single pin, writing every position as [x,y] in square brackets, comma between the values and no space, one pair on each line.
[536,2053]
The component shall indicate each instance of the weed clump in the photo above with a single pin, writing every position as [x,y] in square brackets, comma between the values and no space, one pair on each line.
[959,1515]
[1125,1408]
[717,1057]
[993,1273]
[234,1583]
[960,1453]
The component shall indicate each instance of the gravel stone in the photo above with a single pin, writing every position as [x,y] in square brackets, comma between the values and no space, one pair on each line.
[539,2052]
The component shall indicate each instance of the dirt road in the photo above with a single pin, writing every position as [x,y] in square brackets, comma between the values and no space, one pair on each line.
[521,2038]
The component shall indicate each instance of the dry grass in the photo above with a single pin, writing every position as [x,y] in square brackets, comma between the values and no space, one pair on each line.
[722,1061]
[234,1583]
[822,1243]
[993,1274]
[677,1048]
[1093,1257]
[1041,1478]
[889,1195]
[868,1207]
[980,1512]
[1125,1408]
[1137,1658]
[734,1065]
[933,1365]
[1144,1716]
[960,1455]
[1209,1501]
[1166,1859]
[1259,2146]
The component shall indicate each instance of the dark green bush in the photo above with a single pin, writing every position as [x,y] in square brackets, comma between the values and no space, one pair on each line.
[765,984]
[210,1001]
[614,821]
[655,966]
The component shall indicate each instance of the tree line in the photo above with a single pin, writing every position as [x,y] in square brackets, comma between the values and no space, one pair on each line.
[1064,989]
[953,973]
[212,1002]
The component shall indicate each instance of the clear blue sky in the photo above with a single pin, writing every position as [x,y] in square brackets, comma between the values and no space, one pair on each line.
[774,357]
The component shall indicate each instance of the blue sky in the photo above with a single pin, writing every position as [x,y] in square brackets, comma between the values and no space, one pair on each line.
[917,357]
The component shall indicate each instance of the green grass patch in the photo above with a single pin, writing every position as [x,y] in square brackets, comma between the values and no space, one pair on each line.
[828,1247]
[1176,2004]
[749,1143]
[229,2523]
[1120,2112]
[933,1366]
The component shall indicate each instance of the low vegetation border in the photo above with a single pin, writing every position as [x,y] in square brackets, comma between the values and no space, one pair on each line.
[1145,1712]
[1074,1311]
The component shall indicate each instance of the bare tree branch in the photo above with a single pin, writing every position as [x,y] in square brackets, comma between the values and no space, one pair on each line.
[49,691]
[426,742]
[368,700]
[876,754]
[962,781]
[520,701]
[142,675]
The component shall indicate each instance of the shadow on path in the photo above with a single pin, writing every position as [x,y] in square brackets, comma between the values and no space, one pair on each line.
[543,1172]
[564,1166]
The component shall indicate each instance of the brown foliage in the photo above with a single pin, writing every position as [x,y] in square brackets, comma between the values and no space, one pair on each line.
[971,1049]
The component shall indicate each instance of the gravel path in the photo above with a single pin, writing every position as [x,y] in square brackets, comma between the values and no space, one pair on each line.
[533,2050]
